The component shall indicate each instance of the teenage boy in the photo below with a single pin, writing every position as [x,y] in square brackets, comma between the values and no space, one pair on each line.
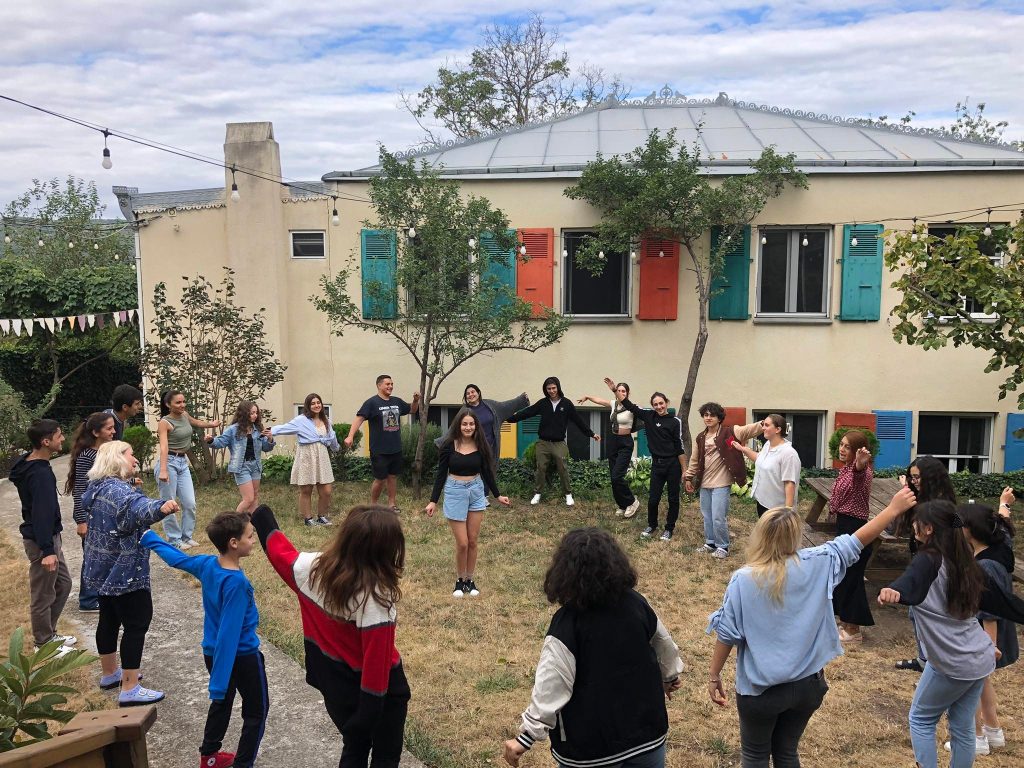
[555,411]
[383,413]
[231,648]
[49,580]
[127,402]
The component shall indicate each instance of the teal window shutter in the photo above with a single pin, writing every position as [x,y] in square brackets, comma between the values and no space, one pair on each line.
[379,264]
[641,443]
[730,288]
[862,272]
[526,434]
[501,265]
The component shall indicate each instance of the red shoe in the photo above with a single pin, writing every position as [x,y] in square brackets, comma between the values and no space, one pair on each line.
[219,760]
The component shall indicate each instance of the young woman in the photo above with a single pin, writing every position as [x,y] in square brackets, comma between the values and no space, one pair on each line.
[776,466]
[247,438]
[777,613]
[849,503]
[312,466]
[943,586]
[492,414]
[172,474]
[713,469]
[606,666]
[116,567]
[464,470]
[347,596]
[620,445]
[96,430]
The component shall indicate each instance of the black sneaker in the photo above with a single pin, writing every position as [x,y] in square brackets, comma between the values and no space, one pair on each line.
[311,522]
[666,535]
[647,532]
[469,588]
[460,588]
[323,520]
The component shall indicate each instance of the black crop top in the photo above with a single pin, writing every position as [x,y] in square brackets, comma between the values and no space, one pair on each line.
[451,462]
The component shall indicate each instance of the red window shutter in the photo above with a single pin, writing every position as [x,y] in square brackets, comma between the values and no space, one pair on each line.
[735,416]
[659,280]
[850,419]
[535,276]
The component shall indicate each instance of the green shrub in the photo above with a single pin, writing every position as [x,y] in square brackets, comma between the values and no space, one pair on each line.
[529,457]
[143,443]
[410,434]
[837,436]
[14,418]
[639,475]
[340,460]
[277,468]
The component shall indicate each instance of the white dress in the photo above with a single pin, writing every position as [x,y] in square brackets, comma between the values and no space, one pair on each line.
[312,465]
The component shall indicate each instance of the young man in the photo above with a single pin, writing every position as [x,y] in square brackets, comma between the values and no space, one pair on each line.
[383,412]
[230,644]
[555,411]
[48,577]
[127,402]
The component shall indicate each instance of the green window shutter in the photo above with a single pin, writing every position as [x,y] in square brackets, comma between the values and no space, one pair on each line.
[501,265]
[730,288]
[379,264]
[526,433]
[862,272]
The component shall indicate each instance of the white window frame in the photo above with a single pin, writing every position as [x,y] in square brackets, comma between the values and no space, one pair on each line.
[627,288]
[998,259]
[291,243]
[327,410]
[821,439]
[954,438]
[792,254]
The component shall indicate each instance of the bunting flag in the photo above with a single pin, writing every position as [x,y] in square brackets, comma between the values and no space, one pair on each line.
[15,325]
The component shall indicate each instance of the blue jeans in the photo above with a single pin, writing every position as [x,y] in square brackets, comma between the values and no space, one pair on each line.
[936,694]
[714,505]
[653,759]
[178,485]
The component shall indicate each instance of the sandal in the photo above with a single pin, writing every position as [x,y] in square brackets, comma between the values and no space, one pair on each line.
[913,664]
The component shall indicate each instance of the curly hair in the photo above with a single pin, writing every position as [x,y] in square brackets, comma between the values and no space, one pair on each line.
[588,570]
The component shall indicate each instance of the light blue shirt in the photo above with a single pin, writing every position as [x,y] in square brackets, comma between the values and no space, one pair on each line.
[778,643]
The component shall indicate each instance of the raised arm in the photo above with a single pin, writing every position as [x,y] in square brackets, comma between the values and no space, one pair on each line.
[200,424]
[901,502]
[595,400]
[173,556]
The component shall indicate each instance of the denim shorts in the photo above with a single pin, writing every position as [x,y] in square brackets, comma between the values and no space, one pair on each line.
[462,497]
[251,470]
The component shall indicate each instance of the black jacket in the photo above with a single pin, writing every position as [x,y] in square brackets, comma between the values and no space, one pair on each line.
[553,421]
[40,510]
[664,433]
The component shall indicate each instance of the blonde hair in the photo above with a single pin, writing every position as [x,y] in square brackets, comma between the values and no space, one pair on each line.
[774,540]
[109,462]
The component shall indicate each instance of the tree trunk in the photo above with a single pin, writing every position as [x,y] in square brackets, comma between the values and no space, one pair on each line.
[424,414]
[699,344]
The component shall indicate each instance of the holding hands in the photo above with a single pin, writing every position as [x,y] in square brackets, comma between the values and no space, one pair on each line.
[888,596]
[512,752]
[170,507]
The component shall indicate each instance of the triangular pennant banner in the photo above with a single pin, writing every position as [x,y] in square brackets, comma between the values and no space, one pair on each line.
[100,321]
[60,323]
[91,319]
[116,317]
[132,313]
[48,322]
[81,322]
[28,325]
[71,322]
[5,326]
[17,326]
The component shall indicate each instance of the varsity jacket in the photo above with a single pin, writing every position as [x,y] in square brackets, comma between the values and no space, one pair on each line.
[553,420]
[598,690]
[733,459]
[664,433]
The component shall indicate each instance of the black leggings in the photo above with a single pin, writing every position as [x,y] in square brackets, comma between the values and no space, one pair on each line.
[386,737]
[133,611]
[620,451]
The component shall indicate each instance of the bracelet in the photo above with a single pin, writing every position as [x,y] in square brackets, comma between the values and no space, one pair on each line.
[1004,504]
[715,681]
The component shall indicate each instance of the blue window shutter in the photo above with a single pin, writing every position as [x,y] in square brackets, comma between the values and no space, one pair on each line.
[730,288]
[526,433]
[1013,458]
[862,272]
[501,265]
[893,428]
[379,264]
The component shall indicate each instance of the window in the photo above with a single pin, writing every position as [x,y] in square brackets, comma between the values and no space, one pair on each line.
[582,447]
[308,245]
[327,410]
[961,440]
[793,272]
[986,246]
[443,415]
[604,295]
[805,433]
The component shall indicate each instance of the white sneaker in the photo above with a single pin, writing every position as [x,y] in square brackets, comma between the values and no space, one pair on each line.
[995,736]
[186,544]
[632,508]
[535,499]
[720,554]
[981,745]
[568,500]
[66,640]
[620,512]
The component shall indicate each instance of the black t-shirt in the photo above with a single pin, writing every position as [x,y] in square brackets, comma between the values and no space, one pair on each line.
[383,417]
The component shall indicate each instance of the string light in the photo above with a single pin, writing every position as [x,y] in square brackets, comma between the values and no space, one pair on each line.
[40,243]
[412,232]
[522,250]
[7,239]
[565,253]
[764,239]
[335,219]
[804,241]
[472,242]
[235,197]
[913,236]
[988,223]
[71,244]
[106,152]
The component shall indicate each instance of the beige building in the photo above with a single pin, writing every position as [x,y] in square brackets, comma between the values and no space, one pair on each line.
[801,326]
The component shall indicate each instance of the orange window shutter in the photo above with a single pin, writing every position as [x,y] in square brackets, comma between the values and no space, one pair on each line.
[659,280]
[735,416]
[848,419]
[535,279]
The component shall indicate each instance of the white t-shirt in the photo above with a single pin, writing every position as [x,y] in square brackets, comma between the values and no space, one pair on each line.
[773,468]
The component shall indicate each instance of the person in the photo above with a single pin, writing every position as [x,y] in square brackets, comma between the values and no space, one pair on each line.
[248,439]
[492,414]
[464,469]
[312,466]
[668,457]
[849,503]
[943,585]
[174,480]
[49,581]
[776,466]
[712,470]
[606,666]
[555,411]
[777,613]
[231,647]
[127,402]
[622,424]
[384,412]
[347,597]
[116,567]
[96,430]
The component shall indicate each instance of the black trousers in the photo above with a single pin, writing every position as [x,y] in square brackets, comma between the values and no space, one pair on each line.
[249,678]
[385,739]
[761,509]
[620,451]
[665,470]
[134,612]
[772,722]
[850,599]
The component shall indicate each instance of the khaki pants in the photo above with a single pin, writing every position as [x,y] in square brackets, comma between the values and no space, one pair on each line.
[48,590]
[548,450]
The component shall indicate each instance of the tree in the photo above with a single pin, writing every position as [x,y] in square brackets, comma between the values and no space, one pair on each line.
[515,76]
[446,304]
[660,190]
[947,283]
[212,350]
[968,126]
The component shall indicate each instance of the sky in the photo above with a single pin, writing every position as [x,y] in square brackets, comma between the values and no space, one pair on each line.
[328,74]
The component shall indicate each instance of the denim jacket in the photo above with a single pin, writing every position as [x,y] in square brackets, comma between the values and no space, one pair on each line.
[235,439]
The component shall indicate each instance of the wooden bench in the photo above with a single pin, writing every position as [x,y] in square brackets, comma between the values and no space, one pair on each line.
[104,739]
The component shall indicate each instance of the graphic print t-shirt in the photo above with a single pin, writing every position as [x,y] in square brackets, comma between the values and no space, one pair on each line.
[383,417]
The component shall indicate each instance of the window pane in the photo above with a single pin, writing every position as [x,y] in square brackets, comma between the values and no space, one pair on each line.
[971,436]
[810,280]
[773,271]
[307,245]
[586,294]
[933,435]
[803,433]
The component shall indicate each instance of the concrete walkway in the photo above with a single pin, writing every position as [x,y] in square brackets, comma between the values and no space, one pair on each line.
[299,733]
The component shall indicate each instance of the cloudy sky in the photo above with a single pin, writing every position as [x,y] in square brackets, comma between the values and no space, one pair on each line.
[327,74]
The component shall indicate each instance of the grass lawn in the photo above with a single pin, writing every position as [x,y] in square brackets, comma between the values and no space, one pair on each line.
[470,662]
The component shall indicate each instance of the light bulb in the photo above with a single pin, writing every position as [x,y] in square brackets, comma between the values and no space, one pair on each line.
[522,250]
[235,197]
[913,238]
[95,246]
[40,243]
[764,240]
[412,232]
[728,238]
[661,254]
[472,242]
[853,241]
[106,159]
[600,255]
[987,231]
[71,245]
[565,253]
[804,242]
[7,239]
[335,219]
[632,255]
[117,257]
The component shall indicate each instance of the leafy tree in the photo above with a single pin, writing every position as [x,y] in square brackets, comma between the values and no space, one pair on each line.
[14,418]
[448,307]
[942,279]
[661,190]
[212,350]
[969,125]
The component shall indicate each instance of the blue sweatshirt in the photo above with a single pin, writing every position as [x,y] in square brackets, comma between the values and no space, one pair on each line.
[230,620]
